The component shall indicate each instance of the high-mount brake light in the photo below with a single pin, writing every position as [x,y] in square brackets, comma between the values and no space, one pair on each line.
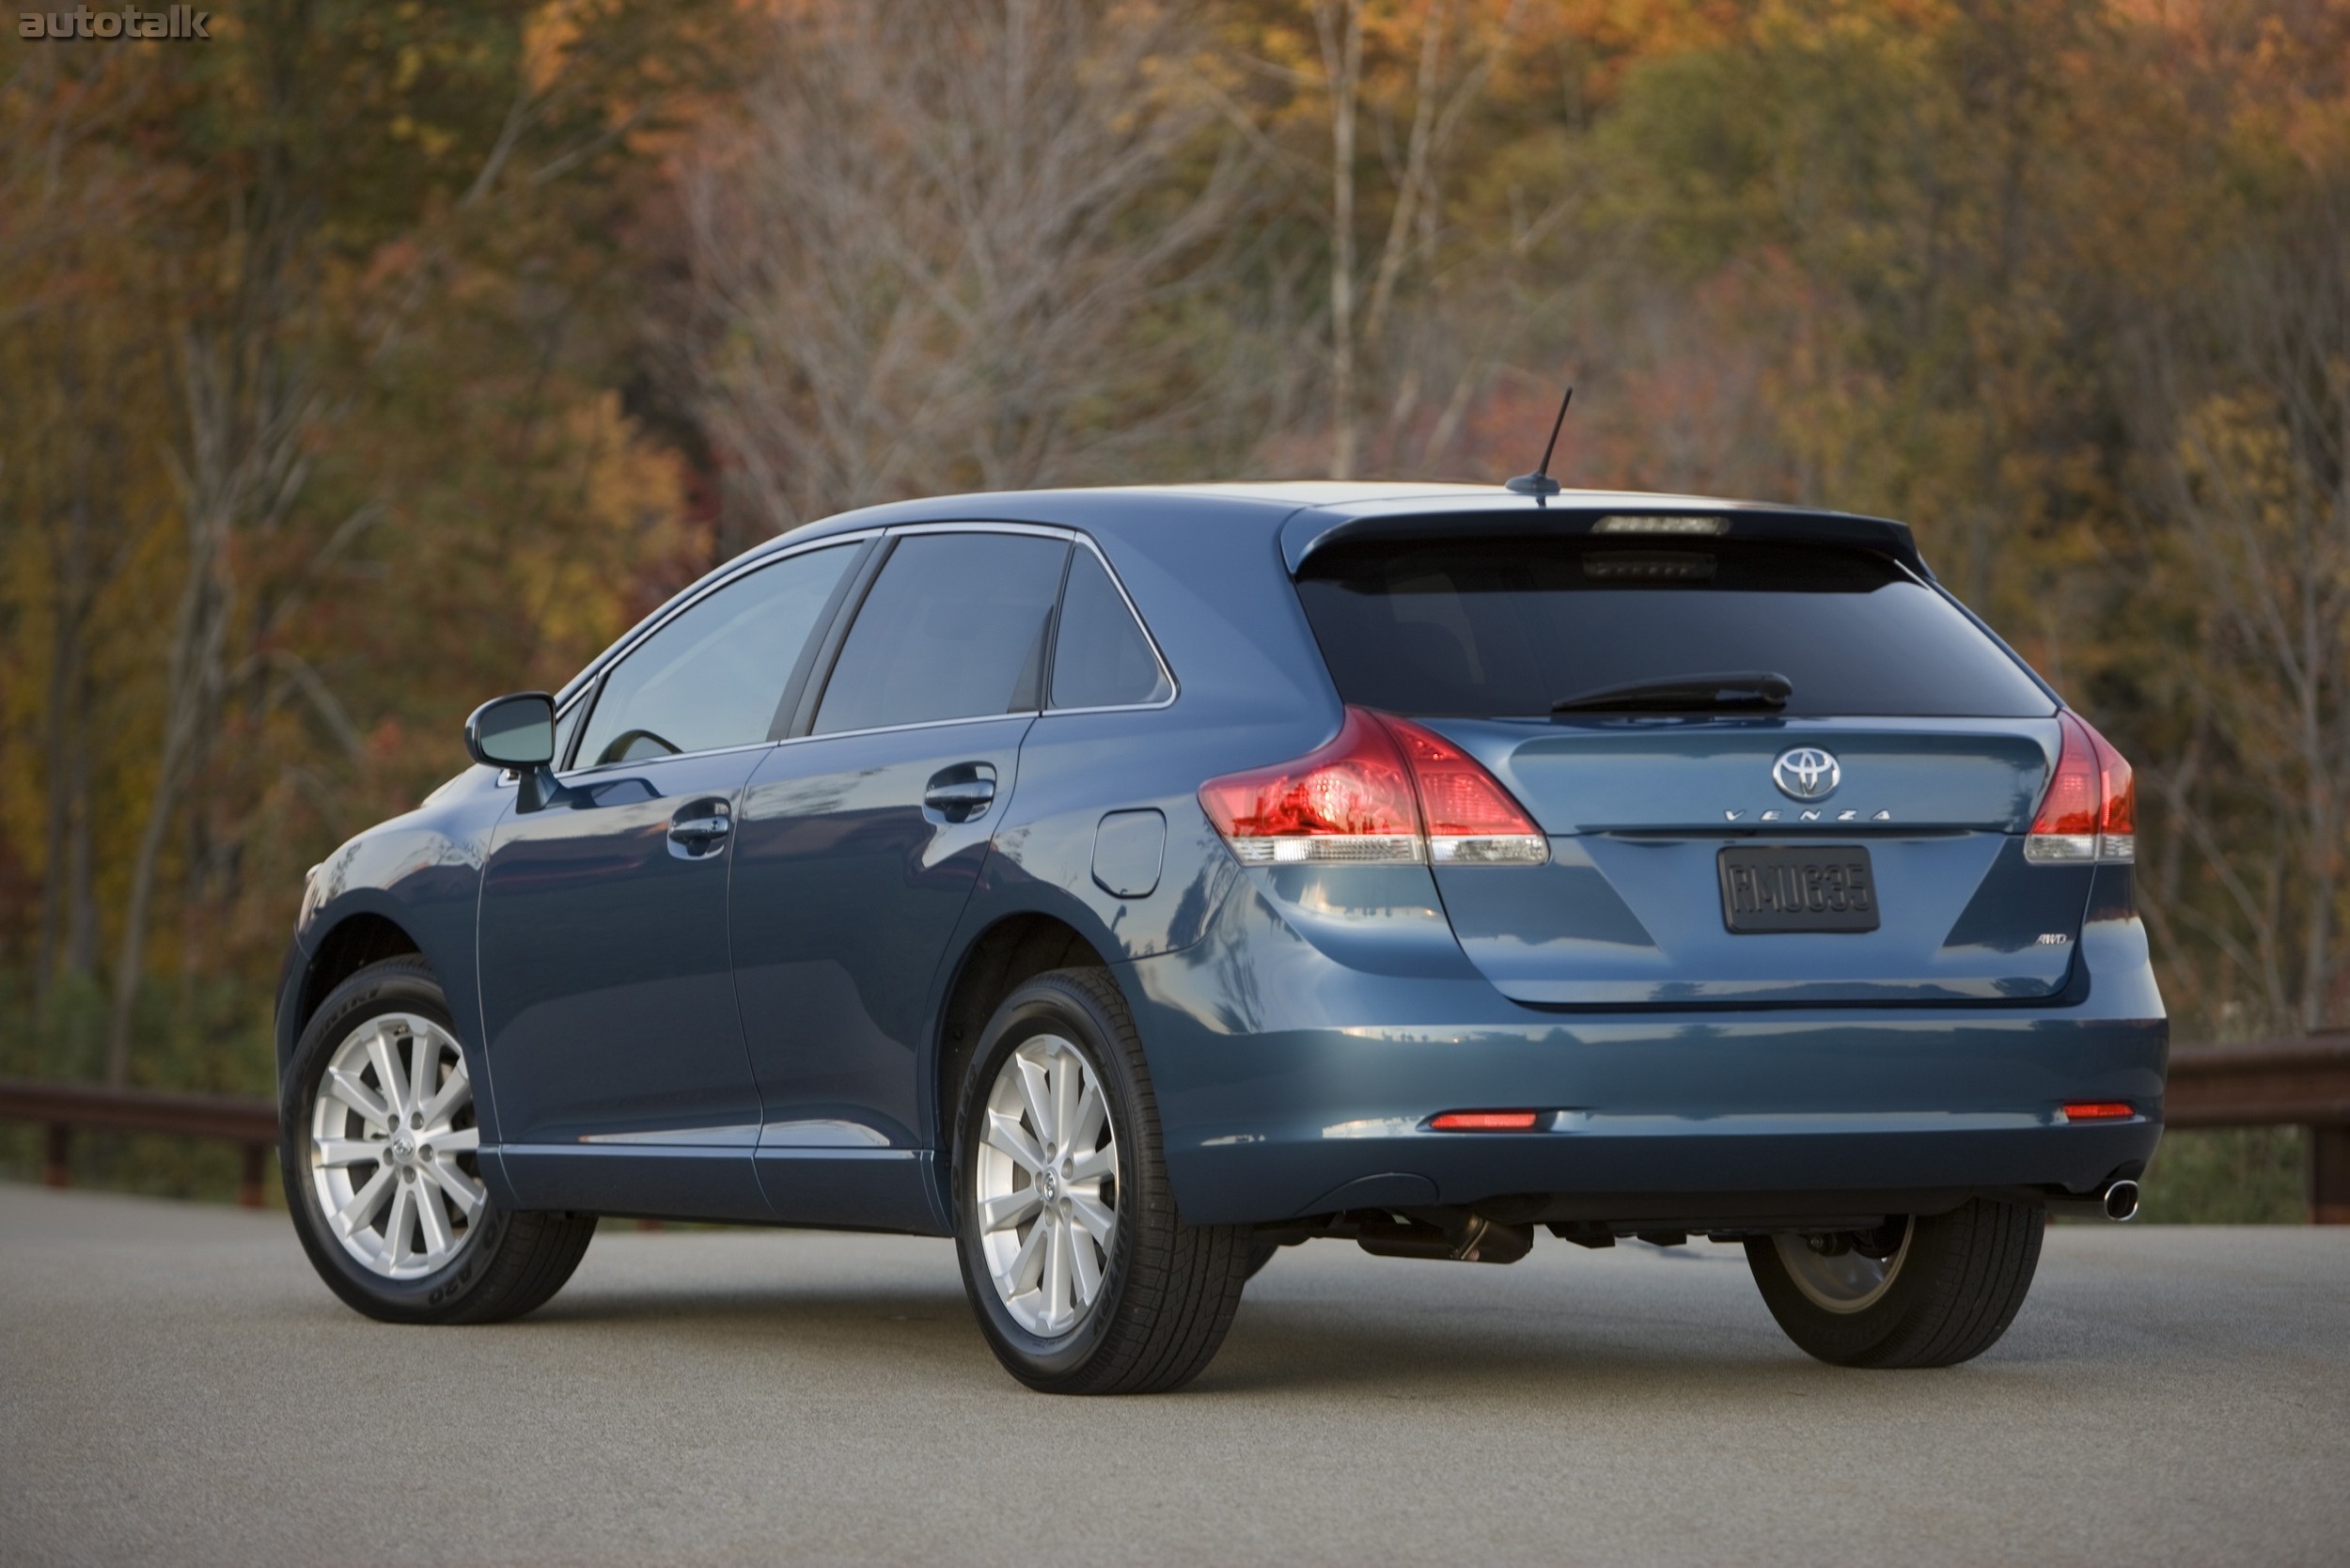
[1383,792]
[1661,526]
[2090,811]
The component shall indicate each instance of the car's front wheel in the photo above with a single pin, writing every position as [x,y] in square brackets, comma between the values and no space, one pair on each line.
[1926,1291]
[380,1150]
[1084,1278]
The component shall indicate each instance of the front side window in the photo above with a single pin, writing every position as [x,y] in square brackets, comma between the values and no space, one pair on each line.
[953,628]
[715,674]
[1101,658]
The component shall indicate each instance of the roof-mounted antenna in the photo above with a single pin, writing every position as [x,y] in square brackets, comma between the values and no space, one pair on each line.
[1540,482]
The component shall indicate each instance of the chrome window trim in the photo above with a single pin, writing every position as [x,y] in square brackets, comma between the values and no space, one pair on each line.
[671,756]
[918,724]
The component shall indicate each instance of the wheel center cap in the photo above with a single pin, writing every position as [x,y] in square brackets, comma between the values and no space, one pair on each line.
[404,1148]
[1051,1182]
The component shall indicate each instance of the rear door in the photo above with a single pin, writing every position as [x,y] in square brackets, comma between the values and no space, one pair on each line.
[1863,843]
[860,838]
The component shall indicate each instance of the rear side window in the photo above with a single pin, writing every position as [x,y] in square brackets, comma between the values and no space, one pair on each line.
[1506,628]
[1101,658]
[713,675]
[953,628]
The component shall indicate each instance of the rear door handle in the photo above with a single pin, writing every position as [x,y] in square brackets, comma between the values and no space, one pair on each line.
[961,792]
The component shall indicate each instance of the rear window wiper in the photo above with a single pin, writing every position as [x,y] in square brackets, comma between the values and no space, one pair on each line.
[1738,691]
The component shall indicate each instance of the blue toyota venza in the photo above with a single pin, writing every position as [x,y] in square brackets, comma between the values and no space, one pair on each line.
[1132,883]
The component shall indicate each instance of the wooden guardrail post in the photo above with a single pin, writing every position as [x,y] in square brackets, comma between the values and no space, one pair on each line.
[2329,1175]
[56,1165]
[251,1159]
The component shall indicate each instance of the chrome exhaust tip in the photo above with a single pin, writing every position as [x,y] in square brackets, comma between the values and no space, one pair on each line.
[2120,1202]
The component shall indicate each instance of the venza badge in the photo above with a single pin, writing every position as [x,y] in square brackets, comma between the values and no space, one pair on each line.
[1806,773]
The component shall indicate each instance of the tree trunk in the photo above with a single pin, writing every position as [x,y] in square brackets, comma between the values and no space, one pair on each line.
[195,647]
[1342,64]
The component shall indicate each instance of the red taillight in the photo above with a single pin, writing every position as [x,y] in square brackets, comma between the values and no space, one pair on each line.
[1485,1122]
[1470,817]
[1383,792]
[2117,825]
[2090,811]
[1350,801]
[2097,1110]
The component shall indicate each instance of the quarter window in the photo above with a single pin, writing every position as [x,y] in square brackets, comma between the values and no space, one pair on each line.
[953,628]
[715,674]
[1101,658]
[566,725]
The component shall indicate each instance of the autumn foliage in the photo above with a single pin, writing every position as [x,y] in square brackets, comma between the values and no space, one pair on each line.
[371,359]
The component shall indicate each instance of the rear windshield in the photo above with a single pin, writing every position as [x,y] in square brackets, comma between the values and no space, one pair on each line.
[1506,628]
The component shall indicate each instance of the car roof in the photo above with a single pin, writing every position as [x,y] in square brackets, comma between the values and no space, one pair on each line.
[1313,514]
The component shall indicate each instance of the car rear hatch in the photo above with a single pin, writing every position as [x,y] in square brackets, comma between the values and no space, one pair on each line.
[1860,839]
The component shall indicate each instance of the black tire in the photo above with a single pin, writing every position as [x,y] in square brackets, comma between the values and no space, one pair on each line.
[1169,1290]
[1961,1279]
[1259,1254]
[508,1264]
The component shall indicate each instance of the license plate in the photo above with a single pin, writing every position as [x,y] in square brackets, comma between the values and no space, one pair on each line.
[1823,887]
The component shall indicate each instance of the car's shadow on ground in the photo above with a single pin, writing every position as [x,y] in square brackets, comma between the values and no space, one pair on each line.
[1277,1346]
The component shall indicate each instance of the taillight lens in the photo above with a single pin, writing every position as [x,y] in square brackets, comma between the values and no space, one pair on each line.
[1471,819]
[2117,823]
[2090,811]
[1350,801]
[1385,791]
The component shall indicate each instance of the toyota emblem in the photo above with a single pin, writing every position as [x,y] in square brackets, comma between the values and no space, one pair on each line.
[1806,773]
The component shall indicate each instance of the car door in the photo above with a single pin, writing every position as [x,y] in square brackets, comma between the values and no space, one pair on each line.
[859,840]
[614,1041]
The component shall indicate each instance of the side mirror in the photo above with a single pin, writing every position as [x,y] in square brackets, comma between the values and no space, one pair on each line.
[516,731]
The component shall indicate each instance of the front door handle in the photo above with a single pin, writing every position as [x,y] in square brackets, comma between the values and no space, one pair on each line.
[700,828]
[961,792]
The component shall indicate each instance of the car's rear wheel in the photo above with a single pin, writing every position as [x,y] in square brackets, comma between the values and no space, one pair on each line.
[1926,1291]
[380,1150]
[1084,1278]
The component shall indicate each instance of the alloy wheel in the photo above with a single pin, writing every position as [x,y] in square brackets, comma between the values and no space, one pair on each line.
[393,1148]
[1046,1186]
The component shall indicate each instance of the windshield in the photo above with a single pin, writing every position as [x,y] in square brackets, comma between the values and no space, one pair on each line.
[1506,628]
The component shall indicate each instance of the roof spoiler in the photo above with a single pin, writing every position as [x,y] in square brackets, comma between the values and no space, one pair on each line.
[1316,530]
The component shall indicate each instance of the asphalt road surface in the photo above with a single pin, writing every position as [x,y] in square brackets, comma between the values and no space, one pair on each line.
[175,1386]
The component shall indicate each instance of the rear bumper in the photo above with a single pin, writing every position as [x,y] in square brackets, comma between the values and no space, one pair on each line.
[1291,1084]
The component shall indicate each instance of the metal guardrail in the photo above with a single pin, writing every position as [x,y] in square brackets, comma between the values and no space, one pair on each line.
[2274,1083]
[64,1107]
[2270,1083]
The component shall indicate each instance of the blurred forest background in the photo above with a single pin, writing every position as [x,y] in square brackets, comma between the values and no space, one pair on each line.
[373,358]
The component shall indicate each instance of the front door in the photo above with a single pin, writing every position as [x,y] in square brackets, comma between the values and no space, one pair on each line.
[858,846]
[614,1046]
